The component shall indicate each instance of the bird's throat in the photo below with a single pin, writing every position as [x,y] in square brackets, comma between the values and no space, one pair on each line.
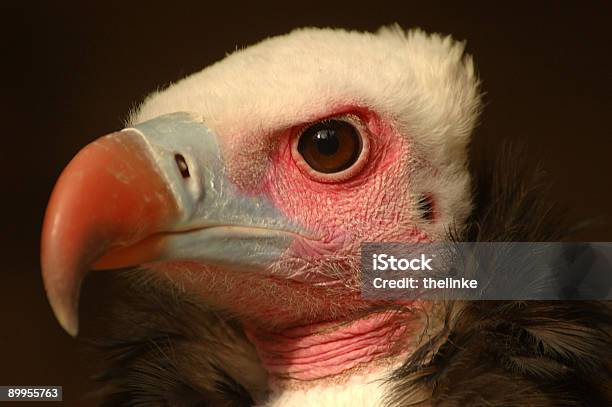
[332,349]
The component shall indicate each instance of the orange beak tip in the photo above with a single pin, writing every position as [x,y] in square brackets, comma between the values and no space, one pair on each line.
[69,321]
[94,207]
[66,312]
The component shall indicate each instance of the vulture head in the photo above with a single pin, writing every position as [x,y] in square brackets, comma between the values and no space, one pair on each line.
[250,186]
[253,182]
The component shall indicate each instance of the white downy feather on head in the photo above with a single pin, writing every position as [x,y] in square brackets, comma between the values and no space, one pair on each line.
[422,83]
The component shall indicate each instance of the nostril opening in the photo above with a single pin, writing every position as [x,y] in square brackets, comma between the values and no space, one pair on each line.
[182,165]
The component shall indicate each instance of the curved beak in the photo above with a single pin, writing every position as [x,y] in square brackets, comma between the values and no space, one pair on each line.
[154,193]
[110,196]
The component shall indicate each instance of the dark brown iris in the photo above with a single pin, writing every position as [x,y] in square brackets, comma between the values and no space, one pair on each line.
[330,146]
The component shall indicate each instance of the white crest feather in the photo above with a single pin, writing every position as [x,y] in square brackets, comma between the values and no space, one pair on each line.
[423,83]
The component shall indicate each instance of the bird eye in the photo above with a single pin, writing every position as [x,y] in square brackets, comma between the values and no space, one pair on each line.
[330,146]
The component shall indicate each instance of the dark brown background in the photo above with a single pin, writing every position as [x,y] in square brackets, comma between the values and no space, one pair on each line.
[73,72]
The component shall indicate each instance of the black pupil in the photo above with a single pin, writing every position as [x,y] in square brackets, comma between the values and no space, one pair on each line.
[326,141]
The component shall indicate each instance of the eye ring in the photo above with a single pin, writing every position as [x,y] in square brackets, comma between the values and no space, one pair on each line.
[331,160]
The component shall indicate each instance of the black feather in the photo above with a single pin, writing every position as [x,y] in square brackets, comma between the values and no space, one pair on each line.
[511,353]
[165,350]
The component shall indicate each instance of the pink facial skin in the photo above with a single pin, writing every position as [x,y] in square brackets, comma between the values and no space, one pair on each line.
[371,202]
[299,315]
[305,334]
[368,202]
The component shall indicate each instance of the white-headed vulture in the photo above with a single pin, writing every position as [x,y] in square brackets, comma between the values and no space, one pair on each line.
[233,205]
